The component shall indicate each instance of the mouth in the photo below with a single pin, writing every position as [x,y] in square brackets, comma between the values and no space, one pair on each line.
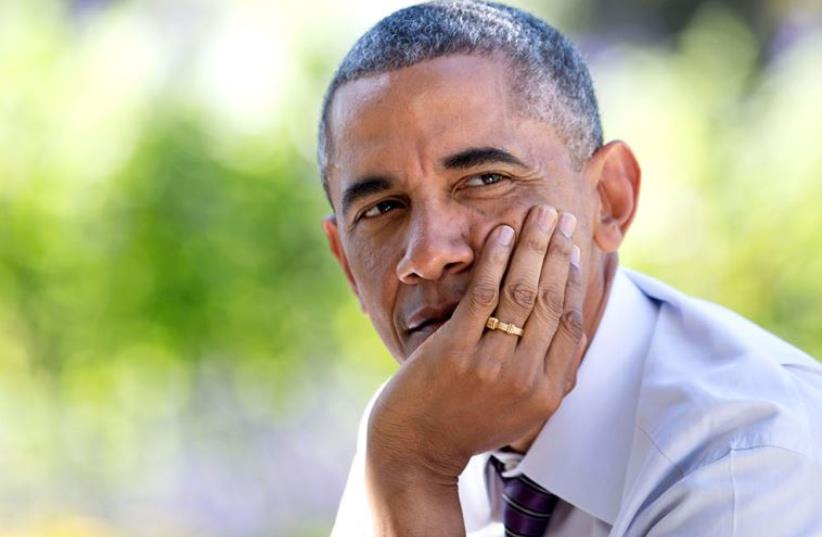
[429,325]
[428,319]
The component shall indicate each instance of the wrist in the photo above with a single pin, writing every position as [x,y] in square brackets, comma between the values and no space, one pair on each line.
[410,463]
[409,499]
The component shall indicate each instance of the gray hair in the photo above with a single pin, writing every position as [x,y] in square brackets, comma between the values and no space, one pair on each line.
[551,79]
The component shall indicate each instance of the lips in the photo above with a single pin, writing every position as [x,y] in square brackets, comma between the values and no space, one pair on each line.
[427,326]
[429,317]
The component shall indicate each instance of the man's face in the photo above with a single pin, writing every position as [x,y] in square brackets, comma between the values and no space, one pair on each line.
[427,161]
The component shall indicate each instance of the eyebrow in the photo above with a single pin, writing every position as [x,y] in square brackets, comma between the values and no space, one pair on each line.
[363,187]
[476,156]
[467,158]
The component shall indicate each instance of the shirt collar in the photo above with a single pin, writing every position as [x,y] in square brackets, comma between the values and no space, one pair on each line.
[582,452]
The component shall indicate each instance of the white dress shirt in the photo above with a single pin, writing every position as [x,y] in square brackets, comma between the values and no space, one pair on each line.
[686,420]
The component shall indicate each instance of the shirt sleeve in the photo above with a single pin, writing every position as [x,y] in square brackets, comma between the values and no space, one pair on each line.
[353,515]
[755,491]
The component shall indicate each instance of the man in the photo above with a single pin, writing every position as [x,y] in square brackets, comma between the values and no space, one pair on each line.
[542,389]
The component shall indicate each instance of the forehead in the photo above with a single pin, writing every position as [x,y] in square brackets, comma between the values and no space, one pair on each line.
[454,86]
[420,113]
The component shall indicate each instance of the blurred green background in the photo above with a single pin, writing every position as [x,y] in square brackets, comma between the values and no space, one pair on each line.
[179,354]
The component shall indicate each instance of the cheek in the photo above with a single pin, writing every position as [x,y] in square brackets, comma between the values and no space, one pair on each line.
[511,210]
[373,267]
[375,274]
[371,259]
[370,262]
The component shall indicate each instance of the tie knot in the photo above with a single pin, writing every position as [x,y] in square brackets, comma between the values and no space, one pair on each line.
[527,506]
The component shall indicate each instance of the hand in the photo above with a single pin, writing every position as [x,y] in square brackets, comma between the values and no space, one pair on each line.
[466,389]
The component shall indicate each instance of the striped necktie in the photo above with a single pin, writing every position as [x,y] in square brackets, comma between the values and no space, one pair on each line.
[527,506]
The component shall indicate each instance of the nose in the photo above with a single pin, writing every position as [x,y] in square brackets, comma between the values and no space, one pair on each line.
[437,245]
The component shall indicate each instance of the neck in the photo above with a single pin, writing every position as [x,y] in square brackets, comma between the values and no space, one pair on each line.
[596,298]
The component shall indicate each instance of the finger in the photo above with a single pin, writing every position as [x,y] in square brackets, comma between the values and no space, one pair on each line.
[519,289]
[563,349]
[482,295]
[571,374]
[544,320]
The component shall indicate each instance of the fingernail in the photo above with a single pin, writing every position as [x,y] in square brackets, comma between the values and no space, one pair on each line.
[575,256]
[567,223]
[546,218]
[506,235]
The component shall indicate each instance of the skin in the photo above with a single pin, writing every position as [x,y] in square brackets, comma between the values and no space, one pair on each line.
[428,245]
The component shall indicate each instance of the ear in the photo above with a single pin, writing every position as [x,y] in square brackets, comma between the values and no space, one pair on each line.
[614,171]
[334,244]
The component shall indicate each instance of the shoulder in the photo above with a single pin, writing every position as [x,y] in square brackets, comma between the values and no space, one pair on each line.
[725,411]
[714,381]
[757,491]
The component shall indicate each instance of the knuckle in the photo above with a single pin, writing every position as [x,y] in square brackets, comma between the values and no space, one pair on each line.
[572,321]
[483,295]
[574,276]
[536,243]
[551,299]
[548,401]
[520,386]
[560,246]
[487,371]
[522,294]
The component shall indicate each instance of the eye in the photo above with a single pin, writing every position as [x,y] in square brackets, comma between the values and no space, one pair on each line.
[380,208]
[485,179]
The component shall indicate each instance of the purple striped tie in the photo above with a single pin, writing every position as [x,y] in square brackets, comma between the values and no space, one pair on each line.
[528,506]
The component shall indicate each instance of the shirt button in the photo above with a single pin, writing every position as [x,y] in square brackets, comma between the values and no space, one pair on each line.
[510,464]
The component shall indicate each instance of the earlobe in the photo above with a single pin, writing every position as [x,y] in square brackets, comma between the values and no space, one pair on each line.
[617,177]
[335,245]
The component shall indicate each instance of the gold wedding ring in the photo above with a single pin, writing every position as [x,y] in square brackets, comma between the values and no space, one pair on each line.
[495,324]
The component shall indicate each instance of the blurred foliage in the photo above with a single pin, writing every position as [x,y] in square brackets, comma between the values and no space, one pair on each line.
[729,204]
[178,347]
